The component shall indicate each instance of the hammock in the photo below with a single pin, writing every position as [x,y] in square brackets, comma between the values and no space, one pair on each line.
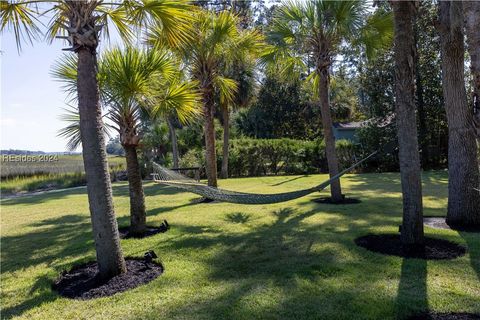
[171,178]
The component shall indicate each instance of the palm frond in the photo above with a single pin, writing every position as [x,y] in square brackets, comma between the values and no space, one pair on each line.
[377,33]
[21,17]
[168,19]
[177,97]
[71,131]
[64,70]
[226,88]
[118,16]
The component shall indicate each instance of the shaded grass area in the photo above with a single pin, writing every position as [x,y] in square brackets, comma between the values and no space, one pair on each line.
[294,260]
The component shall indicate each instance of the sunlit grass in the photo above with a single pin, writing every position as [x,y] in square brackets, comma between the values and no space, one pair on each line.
[294,260]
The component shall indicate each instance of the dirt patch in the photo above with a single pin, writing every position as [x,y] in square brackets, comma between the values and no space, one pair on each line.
[328,200]
[440,223]
[151,231]
[390,244]
[445,316]
[82,282]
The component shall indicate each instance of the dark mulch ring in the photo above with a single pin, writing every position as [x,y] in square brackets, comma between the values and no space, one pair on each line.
[151,231]
[435,249]
[440,223]
[445,316]
[328,200]
[82,283]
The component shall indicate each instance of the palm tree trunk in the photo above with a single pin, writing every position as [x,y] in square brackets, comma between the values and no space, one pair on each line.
[471,11]
[209,132]
[412,223]
[104,224]
[226,141]
[173,138]
[138,216]
[422,122]
[332,160]
[463,171]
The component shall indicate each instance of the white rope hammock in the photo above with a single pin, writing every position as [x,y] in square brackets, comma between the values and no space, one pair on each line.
[174,179]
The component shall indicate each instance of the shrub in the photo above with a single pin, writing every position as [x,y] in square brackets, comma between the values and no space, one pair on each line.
[256,157]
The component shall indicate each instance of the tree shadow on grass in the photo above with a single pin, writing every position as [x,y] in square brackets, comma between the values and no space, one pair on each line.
[434,183]
[237,217]
[473,243]
[40,293]
[412,289]
[298,261]
[43,197]
[51,241]
[290,180]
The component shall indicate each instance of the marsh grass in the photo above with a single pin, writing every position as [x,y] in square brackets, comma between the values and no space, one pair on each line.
[66,172]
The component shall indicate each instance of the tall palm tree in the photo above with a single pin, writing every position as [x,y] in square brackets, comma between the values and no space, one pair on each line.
[311,32]
[242,71]
[80,23]
[463,171]
[412,223]
[215,41]
[133,82]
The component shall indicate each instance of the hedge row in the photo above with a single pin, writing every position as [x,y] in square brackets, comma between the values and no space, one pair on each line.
[257,157]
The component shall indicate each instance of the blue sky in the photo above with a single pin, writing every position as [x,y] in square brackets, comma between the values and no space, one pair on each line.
[31,100]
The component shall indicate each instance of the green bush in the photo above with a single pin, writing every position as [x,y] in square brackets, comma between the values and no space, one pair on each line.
[257,157]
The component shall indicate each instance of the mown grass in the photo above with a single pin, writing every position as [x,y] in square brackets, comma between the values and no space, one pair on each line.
[294,260]
[65,172]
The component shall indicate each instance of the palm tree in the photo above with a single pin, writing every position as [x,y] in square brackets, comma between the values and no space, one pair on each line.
[311,32]
[463,171]
[132,82]
[242,71]
[215,41]
[81,22]
[412,223]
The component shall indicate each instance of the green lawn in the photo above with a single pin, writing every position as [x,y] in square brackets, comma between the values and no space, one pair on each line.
[293,260]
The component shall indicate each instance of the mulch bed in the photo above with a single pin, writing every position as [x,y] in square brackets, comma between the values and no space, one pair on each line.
[328,200]
[151,231]
[390,244]
[82,283]
[445,316]
[440,223]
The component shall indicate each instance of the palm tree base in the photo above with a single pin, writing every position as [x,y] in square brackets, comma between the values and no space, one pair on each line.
[82,281]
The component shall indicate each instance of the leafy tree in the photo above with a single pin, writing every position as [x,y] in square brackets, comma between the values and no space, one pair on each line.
[307,37]
[279,111]
[81,22]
